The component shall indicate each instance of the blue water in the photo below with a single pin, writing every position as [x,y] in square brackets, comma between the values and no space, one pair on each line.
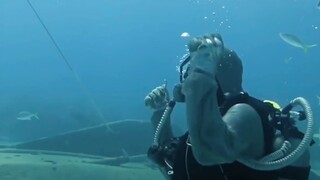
[123,49]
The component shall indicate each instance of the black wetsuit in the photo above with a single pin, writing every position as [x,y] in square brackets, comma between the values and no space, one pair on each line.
[185,167]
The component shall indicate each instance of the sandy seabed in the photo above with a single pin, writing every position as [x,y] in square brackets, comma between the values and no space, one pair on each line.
[23,166]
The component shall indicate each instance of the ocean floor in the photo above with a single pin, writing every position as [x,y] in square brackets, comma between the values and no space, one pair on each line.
[37,166]
[48,165]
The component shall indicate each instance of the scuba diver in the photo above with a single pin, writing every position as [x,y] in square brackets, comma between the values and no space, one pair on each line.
[231,135]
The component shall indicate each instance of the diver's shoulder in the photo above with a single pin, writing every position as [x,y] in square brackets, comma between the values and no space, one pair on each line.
[244,113]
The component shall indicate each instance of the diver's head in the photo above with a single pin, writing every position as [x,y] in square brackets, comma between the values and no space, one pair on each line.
[229,73]
[229,66]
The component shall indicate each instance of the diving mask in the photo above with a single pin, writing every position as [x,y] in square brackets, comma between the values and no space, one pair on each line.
[197,44]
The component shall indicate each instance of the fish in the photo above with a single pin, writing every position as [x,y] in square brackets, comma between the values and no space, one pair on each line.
[295,41]
[318,5]
[318,97]
[27,116]
[185,35]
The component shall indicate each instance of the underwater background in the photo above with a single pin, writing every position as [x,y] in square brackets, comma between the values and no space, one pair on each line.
[118,51]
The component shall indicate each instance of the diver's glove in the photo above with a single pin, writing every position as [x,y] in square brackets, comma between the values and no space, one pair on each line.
[158,98]
[205,53]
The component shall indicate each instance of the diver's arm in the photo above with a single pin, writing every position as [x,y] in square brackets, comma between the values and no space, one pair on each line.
[217,139]
[157,100]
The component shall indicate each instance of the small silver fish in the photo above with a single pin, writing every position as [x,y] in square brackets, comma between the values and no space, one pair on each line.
[27,116]
[295,41]
[318,5]
[185,35]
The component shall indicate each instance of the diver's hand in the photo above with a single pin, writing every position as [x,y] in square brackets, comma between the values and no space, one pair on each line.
[158,98]
[205,53]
